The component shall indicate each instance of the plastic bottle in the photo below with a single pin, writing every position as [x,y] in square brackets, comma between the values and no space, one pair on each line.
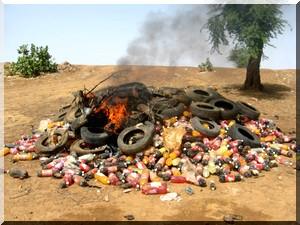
[178,179]
[174,154]
[229,178]
[198,157]
[133,179]
[201,181]
[145,160]
[160,163]
[144,177]
[113,179]
[68,179]
[45,173]
[155,188]
[101,178]
[175,171]
[176,161]
[212,186]
[58,166]
[211,167]
[4,151]
[205,159]
[205,172]
[154,177]
[24,157]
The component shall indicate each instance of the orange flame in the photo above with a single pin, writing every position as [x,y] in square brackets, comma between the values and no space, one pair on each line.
[116,111]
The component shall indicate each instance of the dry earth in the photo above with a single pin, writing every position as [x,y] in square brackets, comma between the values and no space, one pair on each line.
[27,101]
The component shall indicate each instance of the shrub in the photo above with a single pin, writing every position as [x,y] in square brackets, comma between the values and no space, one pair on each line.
[206,66]
[7,69]
[34,61]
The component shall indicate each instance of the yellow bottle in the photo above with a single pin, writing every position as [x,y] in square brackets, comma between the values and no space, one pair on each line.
[4,151]
[24,157]
[166,155]
[144,177]
[169,161]
[174,154]
[176,161]
[232,122]
[101,178]
[162,150]
[175,171]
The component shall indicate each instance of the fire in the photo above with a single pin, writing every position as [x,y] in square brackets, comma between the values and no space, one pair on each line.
[115,108]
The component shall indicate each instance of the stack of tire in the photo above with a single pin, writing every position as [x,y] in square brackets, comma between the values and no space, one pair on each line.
[208,107]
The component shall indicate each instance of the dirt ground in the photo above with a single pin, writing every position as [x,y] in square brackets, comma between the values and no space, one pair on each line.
[27,101]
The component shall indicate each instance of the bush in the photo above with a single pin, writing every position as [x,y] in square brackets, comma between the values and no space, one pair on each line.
[207,66]
[239,56]
[7,69]
[34,61]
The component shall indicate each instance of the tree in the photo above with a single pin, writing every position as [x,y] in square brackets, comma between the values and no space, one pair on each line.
[249,26]
[33,61]
[239,56]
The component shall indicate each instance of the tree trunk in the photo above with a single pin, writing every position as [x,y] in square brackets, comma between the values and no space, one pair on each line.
[253,73]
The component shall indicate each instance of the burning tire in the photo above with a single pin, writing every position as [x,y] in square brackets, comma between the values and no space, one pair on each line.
[247,110]
[205,111]
[239,132]
[44,148]
[212,131]
[92,136]
[79,148]
[228,108]
[135,139]
[198,94]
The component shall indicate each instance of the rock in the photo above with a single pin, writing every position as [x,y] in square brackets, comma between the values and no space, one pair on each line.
[127,190]
[129,217]
[106,198]
[232,217]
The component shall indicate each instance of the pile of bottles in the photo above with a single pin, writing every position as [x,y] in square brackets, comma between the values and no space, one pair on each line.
[150,171]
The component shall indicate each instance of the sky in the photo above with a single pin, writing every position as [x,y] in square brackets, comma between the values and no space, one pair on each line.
[100,34]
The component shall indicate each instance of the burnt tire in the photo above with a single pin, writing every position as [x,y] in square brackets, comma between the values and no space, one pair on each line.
[140,145]
[212,131]
[205,111]
[239,132]
[199,94]
[93,137]
[247,110]
[42,148]
[171,112]
[79,150]
[228,109]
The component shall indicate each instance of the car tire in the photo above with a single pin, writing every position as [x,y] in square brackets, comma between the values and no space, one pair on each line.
[44,149]
[141,144]
[205,111]
[239,132]
[76,147]
[247,110]
[198,94]
[213,131]
[90,137]
[228,109]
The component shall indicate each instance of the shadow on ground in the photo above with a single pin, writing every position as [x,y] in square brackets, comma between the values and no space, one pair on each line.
[271,91]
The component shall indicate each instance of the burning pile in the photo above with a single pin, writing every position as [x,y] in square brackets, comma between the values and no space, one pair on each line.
[142,137]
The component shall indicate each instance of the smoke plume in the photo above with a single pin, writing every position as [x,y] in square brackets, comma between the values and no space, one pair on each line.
[174,39]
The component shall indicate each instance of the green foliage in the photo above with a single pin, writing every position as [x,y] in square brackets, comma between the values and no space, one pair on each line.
[7,69]
[34,61]
[252,26]
[239,56]
[206,66]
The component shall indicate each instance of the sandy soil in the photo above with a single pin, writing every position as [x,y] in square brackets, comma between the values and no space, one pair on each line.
[27,101]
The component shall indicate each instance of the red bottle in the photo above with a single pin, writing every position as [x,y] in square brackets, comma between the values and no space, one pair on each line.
[113,179]
[178,179]
[84,167]
[154,188]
